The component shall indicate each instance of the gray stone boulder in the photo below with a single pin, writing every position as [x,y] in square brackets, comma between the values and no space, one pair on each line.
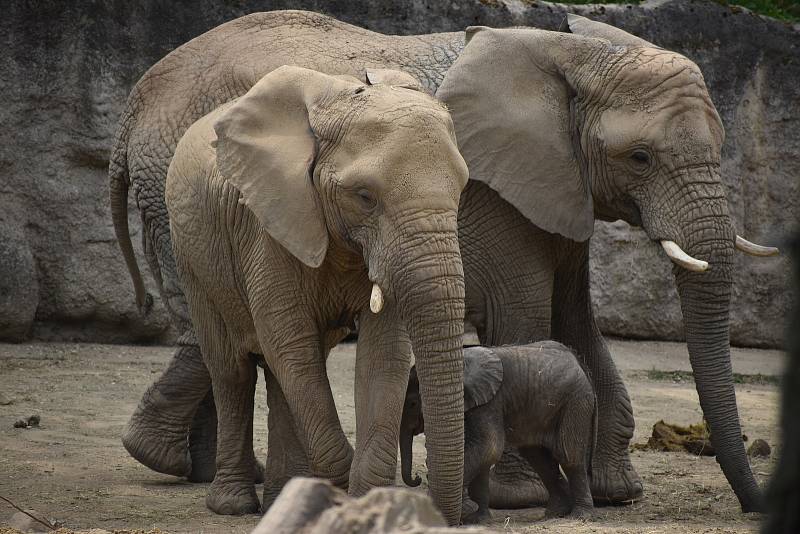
[314,506]
[69,67]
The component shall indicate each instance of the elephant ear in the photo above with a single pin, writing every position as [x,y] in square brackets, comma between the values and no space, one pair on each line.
[394,78]
[509,95]
[578,25]
[483,376]
[265,148]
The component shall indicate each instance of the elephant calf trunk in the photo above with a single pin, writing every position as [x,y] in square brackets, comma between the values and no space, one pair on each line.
[406,440]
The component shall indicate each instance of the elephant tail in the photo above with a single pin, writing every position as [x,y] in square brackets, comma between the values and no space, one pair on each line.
[119,180]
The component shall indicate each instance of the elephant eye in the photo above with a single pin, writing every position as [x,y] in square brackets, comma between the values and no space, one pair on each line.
[640,158]
[366,198]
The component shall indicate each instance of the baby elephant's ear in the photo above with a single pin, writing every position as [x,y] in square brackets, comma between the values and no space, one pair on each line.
[394,78]
[483,375]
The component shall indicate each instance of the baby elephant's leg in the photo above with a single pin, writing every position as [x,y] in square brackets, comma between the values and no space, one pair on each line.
[479,492]
[578,479]
[484,441]
[573,452]
[560,502]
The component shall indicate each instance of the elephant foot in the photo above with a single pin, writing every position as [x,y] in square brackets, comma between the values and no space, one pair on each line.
[204,463]
[273,488]
[155,447]
[281,468]
[581,512]
[558,507]
[622,485]
[514,484]
[203,445]
[276,475]
[229,499]
[477,517]
[204,472]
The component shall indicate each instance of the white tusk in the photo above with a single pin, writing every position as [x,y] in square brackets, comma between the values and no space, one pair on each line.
[376,299]
[754,250]
[677,255]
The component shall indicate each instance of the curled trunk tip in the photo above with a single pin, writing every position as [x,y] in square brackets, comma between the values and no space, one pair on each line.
[406,441]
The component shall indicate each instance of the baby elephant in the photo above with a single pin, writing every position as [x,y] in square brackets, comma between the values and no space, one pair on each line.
[536,397]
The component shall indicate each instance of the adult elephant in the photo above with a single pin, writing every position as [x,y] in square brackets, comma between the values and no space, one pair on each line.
[286,206]
[557,129]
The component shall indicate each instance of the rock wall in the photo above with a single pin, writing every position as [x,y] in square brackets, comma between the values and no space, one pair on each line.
[67,69]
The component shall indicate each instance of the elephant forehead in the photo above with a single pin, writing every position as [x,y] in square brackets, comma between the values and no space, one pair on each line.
[686,128]
[401,143]
[404,164]
[407,116]
[647,76]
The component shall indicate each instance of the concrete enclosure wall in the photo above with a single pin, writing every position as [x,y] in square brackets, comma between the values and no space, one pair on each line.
[67,69]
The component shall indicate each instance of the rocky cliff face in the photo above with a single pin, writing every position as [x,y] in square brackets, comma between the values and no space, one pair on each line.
[67,69]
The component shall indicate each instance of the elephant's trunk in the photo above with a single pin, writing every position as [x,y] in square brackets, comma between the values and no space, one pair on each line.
[406,440]
[705,302]
[430,293]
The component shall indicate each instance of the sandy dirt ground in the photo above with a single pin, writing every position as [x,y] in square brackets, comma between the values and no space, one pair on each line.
[74,469]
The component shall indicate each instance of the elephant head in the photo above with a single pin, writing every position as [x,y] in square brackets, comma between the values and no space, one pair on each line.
[366,178]
[597,123]
[483,376]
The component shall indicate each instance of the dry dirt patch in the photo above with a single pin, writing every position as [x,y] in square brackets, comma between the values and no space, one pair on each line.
[74,469]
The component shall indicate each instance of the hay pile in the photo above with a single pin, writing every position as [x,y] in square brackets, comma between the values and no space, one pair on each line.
[666,437]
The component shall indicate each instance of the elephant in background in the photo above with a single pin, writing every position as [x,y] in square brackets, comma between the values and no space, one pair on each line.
[558,129]
[536,398]
[307,202]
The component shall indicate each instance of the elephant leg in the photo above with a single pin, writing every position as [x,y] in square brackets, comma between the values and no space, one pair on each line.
[174,428]
[614,480]
[203,440]
[298,365]
[383,359]
[515,484]
[203,443]
[286,457]
[479,492]
[156,434]
[233,491]
[578,478]
[560,503]
[484,440]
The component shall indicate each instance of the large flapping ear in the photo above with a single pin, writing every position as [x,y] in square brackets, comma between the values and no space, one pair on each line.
[265,148]
[590,28]
[483,376]
[509,96]
[394,78]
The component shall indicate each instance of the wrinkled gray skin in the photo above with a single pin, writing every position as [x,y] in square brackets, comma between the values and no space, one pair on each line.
[674,192]
[289,207]
[535,398]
